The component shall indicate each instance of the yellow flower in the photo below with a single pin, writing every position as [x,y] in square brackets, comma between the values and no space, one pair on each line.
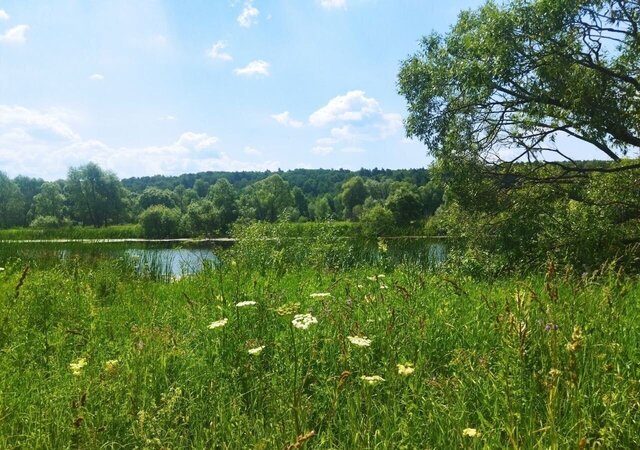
[111,366]
[471,432]
[76,367]
[406,369]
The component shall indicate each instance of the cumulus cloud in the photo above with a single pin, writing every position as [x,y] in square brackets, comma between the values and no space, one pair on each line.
[333,4]
[249,15]
[15,35]
[286,120]
[96,77]
[41,144]
[353,106]
[254,68]
[217,52]
[4,15]
[353,119]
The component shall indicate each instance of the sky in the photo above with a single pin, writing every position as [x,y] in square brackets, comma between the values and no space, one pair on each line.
[152,87]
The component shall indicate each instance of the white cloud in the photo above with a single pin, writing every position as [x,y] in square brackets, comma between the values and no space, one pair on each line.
[258,67]
[352,106]
[249,15]
[96,77]
[322,150]
[286,120]
[50,123]
[15,35]
[4,15]
[352,150]
[355,118]
[217,52]
[252,151]
[42,144]
[333,4]
[197,141]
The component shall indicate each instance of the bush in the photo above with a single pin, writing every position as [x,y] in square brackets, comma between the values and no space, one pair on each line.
[48,222]
[160,222]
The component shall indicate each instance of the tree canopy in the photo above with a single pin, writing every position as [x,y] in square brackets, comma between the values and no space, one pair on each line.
[507,81]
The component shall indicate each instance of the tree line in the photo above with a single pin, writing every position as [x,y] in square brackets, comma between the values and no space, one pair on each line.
[208,203]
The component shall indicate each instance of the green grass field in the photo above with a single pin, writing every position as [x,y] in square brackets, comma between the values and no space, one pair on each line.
[97,356]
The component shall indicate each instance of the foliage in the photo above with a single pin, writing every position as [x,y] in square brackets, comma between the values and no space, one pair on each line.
[95,195]
[152,196]
[377,221]
[159,221]
[510,79]
[11,203]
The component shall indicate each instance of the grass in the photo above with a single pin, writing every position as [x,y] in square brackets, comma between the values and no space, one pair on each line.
[74,232]
[533,362]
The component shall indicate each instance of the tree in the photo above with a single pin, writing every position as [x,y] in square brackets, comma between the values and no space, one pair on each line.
[405,204]
[153,196]
[510,80]
[49,202]
[158,221]
[354,193]
[95,195]
[11,203]
[267,199]
[224,197]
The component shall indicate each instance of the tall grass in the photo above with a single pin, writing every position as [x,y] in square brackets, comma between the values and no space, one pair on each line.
[537,362]
[131,231]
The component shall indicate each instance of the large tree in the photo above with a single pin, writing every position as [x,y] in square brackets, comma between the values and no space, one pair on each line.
[95,195]
[507,81]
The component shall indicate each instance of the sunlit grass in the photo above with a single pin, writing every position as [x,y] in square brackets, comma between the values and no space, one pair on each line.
[387,357]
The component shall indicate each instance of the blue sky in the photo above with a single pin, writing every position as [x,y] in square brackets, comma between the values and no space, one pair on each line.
[166,87]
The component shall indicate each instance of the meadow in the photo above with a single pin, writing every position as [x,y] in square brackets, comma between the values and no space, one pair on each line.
[309,344]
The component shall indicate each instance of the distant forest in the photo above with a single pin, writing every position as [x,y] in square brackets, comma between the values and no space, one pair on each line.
[208,203]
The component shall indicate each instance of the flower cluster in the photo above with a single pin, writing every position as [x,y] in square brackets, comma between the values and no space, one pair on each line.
[372,379]
[76,367]
[218,323]
[359,341]
[303,321]
[405,369]
[246,303]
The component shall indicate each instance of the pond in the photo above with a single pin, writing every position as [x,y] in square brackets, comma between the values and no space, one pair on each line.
[174,259]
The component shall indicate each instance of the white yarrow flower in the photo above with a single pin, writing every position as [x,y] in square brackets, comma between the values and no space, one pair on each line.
[320,295]
[256,350]
[218,323]
[406,369]
[360,341]
[373,379]
[303,321]
[246,303]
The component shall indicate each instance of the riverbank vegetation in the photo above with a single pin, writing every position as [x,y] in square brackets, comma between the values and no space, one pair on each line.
[289,342]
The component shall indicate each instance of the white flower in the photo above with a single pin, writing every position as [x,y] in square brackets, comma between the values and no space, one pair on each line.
[373,379]
[406,369]
[303,321]
[256,351]
[218,323]
[76,367]
[247,303]
[360,341]
[1,269]
[320,295]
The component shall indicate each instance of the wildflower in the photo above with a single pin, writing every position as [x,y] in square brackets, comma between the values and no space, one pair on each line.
[76,367]
[320,295]
[471,432]
[383,286]
[576,340]
[554,373]
[381,275]
[406,369]
[1,269]
[382,246]
[111,366]
[218,324]
[360,341]
[288,309]
[303,321]
[372,278]
[246,303]
[256,350]
[373,379]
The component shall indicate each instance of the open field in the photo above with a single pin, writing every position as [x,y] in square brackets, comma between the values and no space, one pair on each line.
[95,355]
